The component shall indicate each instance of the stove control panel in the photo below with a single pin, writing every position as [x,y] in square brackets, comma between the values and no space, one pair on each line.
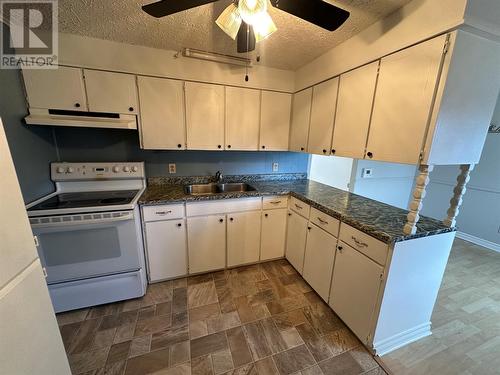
[96,171]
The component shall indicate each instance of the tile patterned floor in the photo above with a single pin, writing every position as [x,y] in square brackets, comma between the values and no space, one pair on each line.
[259,320]
[465,322]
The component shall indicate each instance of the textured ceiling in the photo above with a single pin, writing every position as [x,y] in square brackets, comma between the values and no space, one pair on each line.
[296,42]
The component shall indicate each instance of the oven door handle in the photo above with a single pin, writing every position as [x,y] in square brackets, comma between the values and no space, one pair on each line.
[123,217]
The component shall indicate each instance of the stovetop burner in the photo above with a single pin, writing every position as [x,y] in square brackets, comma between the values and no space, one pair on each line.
[86,199]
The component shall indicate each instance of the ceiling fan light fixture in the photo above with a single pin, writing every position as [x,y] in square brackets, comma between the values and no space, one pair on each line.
[263,26]
[230,21]
[250,10]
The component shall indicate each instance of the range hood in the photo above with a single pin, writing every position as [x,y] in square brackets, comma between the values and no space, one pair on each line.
[82,119]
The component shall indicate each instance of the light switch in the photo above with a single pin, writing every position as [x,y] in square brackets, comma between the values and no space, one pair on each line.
[172,169]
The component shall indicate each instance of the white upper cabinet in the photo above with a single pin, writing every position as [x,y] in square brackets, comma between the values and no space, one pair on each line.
[204,116]
[322,117]
[111,92]
[242,119]
[162,113]
[354,108]
[243,238]
[60,88]
[275,121]
[301,115]
[403,102]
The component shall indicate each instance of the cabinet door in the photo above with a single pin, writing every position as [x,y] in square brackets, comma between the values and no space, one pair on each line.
[301,115]
[111,92]
[243,238]
[60,88]
[272,244]
[166,249]
[204,116]
[354,108]
[318,260]
[403,100]
[242,118]
[324,102]
[275,121]
[206,243]
[296,240]
[162,113]
[355,286]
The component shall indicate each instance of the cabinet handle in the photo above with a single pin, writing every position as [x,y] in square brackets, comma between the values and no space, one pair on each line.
[221,220]
[163,212]
[263,147]
[266,215]
[358,242]
[340,249]
[231,219]
[275,202]
[228,146]
[179,225]
[219,146]
[131,109]
[369,154]
[324,151]
[309,228]
[299,207]
[179,145]
[333,151]
[322,221]
[77,105]
[302,149]
[289,214]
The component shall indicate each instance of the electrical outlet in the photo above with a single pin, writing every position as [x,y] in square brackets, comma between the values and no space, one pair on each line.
[172,169]
[275,167]
[367,173]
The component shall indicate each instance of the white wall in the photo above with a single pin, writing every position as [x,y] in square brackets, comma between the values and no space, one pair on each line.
[331,170]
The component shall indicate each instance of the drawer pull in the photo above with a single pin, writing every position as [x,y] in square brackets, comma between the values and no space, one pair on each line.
[358,242]
[163,212]
[299,207]
[322,221]
[275,202]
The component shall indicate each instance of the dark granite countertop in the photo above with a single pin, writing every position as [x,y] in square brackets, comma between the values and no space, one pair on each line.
[377,219]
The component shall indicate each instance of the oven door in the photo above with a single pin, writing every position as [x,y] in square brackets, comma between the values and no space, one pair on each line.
[73,247]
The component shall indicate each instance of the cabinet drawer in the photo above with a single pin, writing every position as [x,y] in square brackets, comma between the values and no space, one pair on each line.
[163,212]
[364,243]
[223,206]
[269,203]
[300,207]
[324,221]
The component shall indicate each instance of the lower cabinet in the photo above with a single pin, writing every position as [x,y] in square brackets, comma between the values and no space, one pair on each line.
[318,260]
[206,243]
[166,249]
[243,238]
[296,240]
[272,244]
[355,286]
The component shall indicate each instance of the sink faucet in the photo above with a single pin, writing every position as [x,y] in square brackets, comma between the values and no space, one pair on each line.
[218,176]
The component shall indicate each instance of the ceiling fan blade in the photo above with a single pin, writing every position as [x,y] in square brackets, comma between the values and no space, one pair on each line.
[318,12]
[166,7]
[245,38]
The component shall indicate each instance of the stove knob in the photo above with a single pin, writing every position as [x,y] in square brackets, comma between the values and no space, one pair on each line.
[134,169]
[70,170]
[116,169]
[126,169]
[60,170]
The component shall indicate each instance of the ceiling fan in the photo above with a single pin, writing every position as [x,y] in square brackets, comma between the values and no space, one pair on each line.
[249,22]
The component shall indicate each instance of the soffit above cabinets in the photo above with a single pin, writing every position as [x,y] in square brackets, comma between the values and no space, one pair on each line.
[296,42]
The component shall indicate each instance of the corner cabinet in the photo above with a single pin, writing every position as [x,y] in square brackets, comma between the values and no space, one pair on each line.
[204,116]
[242,119]
[162,122]
[275,110]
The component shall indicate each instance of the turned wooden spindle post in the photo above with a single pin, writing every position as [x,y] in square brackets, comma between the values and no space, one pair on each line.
[418,196]
[458,193]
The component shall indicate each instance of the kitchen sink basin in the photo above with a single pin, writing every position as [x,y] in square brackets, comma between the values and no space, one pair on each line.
[203,189]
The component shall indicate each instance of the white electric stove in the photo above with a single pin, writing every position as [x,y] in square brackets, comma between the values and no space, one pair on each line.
[89,234]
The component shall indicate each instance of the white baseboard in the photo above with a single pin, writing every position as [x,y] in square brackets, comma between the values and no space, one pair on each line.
[479,241]
[402,339]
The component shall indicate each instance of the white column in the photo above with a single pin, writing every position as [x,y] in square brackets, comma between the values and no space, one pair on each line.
[418,196]
[458,193]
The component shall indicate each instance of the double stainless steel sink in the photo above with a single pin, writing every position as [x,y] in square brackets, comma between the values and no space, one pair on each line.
[204,189]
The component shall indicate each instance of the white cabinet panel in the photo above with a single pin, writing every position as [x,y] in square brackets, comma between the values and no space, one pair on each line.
[296,240]
[273,234]
[163,212]
[301,115]
[242,118]
[318,260]
[354,108]
[206,243]
[204,116]
[324,102]
[166,249]
[243,238]
[61,88]
[300,207]
[324,221]
[111,92]
[355,285]
[275,121]
[162,113]
[403,101]
[223,206]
